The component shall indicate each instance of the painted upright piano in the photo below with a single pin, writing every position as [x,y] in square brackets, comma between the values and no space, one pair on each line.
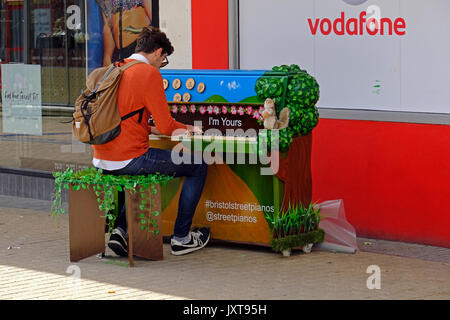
[228,105]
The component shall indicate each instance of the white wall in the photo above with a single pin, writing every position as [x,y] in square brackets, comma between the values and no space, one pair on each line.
[412,70]
[175,21]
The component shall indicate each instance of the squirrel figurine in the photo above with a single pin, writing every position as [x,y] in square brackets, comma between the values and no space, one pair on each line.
[270,116]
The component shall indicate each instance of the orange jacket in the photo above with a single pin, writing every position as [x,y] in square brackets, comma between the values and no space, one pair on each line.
[140,86]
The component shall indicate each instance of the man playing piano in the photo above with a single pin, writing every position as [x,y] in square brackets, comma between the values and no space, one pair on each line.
[141,87]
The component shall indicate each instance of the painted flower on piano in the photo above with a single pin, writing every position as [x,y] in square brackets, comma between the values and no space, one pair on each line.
[224,109]
[233,110]
[210,109]
[193,108]
[174,109]
[256,115]
[216,110]
[183,109]
[249,110]
[202,109]
[241,111]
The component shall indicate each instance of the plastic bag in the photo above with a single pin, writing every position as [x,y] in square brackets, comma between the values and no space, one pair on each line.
[340,235]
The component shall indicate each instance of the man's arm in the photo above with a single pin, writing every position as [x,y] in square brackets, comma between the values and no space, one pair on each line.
[191,129]
[154,100]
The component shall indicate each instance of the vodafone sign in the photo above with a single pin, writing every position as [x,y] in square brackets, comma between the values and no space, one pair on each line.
[384,55]
[358,26]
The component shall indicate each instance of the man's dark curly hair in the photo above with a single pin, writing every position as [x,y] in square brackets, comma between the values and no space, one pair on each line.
[151,39]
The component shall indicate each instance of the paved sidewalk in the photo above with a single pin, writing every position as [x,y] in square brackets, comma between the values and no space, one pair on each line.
[34,264]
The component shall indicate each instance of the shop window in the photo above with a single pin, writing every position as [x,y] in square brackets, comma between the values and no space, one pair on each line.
[47,37]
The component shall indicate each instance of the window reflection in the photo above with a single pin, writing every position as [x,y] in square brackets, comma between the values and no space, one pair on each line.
[50,34]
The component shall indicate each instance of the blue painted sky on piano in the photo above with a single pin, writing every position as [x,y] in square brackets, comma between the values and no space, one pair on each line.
[233,85]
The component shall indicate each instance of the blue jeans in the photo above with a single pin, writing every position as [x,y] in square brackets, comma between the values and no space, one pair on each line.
[159,160]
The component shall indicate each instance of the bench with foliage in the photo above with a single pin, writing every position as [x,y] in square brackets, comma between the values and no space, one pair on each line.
[91,190]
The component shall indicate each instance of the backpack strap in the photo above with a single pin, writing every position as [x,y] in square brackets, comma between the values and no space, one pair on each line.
[130,64]
[87,116]
[131,114]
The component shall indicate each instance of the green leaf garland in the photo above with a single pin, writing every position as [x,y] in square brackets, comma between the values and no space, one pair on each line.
[104,186]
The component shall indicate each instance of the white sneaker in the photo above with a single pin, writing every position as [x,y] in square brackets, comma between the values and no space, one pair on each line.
[199,239]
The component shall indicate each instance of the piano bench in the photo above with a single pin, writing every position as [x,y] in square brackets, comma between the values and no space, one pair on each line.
[87,222]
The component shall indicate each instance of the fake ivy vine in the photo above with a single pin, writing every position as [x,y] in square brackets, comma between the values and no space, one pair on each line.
[104,186]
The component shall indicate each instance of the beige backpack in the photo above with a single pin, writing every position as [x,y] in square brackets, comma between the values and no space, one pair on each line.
[96,119]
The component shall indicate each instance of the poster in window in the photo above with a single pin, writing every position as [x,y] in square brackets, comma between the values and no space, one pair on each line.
[103,18]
